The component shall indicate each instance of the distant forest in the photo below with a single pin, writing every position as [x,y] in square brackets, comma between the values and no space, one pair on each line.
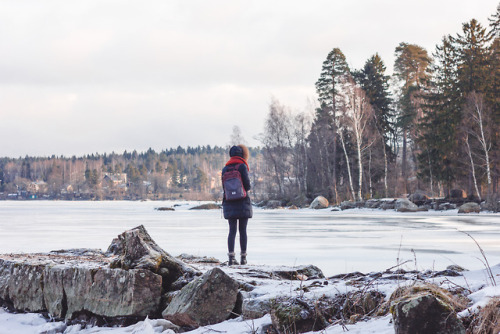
[432,127]
[192,173]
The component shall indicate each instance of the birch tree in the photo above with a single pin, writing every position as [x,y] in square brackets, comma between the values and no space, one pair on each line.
[357,115]
[478,119]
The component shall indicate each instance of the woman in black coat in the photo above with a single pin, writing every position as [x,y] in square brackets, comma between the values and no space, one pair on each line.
[237,212]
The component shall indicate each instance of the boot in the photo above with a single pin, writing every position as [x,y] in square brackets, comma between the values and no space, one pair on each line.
[243,258]
[232,259]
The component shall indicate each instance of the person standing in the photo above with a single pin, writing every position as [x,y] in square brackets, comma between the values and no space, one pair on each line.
[238,211]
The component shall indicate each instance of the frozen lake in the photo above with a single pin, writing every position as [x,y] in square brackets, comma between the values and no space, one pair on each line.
[337,242]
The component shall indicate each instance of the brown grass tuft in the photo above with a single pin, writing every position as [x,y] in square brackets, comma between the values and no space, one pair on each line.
[488,319]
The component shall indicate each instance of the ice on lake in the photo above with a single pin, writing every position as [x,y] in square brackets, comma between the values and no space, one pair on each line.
[337,242]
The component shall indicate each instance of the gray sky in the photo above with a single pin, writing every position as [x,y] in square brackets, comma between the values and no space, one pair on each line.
[80,77]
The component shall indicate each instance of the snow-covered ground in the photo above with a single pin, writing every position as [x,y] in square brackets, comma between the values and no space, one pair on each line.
[476,281]
[337,242]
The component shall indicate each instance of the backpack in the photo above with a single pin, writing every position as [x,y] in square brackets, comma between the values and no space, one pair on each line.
[232,184]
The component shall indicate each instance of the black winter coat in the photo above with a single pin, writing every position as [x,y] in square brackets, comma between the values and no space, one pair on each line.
[241,208]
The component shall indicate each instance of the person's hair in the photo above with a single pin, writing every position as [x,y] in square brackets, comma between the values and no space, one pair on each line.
[246,153]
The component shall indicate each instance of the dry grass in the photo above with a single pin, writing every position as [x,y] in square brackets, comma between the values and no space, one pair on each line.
[456,302]
[488,319]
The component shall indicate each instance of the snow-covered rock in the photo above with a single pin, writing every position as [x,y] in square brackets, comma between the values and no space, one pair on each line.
[207,300]
[38,283]
[404,205]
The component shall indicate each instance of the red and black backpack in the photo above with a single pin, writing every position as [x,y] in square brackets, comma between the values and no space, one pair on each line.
[233,184]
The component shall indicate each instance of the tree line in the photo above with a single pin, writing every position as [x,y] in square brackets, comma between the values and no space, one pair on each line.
[191,172]
[432,126]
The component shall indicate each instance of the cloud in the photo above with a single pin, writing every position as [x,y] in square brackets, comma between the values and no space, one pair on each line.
[86,76]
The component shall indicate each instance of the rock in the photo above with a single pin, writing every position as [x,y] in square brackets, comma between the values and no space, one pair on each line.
[386,205]
[300,315]
[347,205]
[207,300]
[208,206]
[296,273]
[255,308]
[404,205]
[165,208]
[418,197]
[319,203]
[458,194]
[492,205]
[132,293]
[456,268]
[36,282]
[469,208]
[425,309]
[446,206]
[22,285]
[135,249]
[372,203]
[425,314]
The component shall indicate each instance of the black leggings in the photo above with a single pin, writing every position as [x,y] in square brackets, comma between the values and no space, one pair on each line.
[232,234]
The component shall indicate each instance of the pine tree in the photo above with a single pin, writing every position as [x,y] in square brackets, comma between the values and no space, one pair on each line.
[375,83]
[472,57]
[475,75]
[440,125]
[333,73]
[411,68]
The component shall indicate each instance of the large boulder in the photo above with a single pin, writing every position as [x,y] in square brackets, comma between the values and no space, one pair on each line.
[207,300]
[425,309]
[404,205]
[66,287]
[135,249]
[418,197]
[319,203]
[469,207]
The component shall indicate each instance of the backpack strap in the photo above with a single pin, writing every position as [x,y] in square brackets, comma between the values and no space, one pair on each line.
[235,167]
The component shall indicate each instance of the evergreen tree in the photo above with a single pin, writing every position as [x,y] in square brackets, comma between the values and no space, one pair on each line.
[472,58]
[411,68]
[439,128]
[333,74]
[375,83]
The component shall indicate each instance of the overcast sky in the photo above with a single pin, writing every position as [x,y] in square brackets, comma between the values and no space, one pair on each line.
[79,77]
